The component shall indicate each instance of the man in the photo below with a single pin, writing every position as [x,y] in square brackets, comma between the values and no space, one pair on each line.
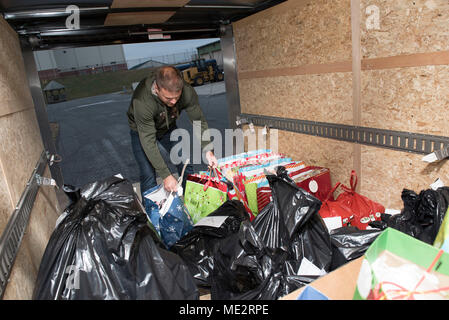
[155,105]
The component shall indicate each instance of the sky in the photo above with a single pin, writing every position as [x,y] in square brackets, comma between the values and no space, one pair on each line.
[160,48]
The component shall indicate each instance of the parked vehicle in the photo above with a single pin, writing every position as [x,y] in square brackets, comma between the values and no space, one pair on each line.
[201,71]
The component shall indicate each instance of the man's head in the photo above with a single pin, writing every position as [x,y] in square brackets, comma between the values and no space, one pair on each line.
[169,84]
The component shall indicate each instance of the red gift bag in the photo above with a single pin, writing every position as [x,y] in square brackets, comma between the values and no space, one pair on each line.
[239,189]
[331,208]
[263,197]
[364,210]
[315,180]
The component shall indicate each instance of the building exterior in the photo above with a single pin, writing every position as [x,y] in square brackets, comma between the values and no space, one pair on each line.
[212,51]
[147,64]
[52,64]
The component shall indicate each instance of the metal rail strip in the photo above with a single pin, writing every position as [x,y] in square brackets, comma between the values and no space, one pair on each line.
[396,140]
[15,229]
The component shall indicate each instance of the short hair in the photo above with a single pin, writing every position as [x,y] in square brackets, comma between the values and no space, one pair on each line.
[169,78]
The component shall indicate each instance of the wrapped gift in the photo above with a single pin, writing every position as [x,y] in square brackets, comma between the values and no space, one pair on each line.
[257,188]
[230,166]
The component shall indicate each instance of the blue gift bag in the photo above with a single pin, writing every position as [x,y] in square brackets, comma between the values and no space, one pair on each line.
[168,214]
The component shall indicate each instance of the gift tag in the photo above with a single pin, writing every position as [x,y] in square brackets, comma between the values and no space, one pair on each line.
[313,186]
[213,221]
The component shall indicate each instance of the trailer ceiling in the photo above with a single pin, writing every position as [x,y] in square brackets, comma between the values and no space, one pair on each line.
[43,23]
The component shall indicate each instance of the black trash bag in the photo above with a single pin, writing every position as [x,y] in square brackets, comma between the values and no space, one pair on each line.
[431,211]
[350,243]
[72,193]
[198,247]
[406,221]
[421,216]
[262,260]
[105,249]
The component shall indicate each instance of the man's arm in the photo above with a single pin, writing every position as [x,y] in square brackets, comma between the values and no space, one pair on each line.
[147,134]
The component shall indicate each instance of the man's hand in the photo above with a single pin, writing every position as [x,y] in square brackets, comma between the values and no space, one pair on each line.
[211,159]
[171,184]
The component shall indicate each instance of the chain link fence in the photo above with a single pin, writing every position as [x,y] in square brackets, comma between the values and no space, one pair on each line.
[129,64]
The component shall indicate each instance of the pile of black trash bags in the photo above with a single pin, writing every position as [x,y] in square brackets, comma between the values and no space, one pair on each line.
[421,216]
[105,248]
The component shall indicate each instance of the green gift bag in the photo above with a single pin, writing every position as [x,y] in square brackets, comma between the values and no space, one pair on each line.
[203,195]
[442,238]
[399,267]
[251,195]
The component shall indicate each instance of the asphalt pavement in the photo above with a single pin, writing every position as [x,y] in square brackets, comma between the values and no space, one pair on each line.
[94,142]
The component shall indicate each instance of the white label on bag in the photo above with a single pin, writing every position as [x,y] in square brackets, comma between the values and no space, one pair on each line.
[215,222]
[307,268]
[333,223]
[158,195]
[166,205]
[313,186]
[392,211]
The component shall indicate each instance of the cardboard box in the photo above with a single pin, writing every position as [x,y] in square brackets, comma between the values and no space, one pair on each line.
[398,266]
[339,284]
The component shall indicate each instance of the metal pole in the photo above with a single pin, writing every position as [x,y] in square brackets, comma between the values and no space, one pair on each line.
[230,74]
[40,107]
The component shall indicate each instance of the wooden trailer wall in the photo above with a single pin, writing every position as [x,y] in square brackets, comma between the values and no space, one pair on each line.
[20,149]
[371,63]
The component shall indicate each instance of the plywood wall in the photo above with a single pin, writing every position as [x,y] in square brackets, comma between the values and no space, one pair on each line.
[20,149]
[374,63]
[298,65]
[404,87]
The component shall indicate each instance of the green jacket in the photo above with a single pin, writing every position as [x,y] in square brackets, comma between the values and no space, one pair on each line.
[151,118]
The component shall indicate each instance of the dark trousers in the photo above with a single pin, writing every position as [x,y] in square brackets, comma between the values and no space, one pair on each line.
[146,170]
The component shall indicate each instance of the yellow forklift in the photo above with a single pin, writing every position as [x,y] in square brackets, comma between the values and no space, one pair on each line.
[201,71]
